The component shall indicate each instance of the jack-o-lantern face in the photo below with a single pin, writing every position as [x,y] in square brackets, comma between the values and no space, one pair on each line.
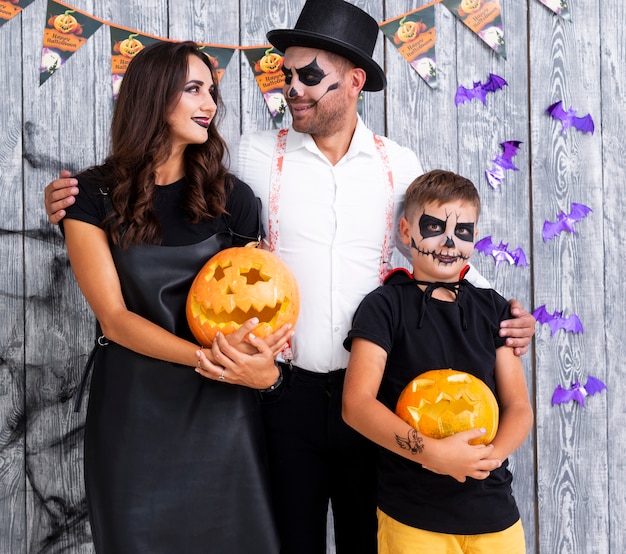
[131,46]
[237,284]
[271,62]
[65,23]
[442,402]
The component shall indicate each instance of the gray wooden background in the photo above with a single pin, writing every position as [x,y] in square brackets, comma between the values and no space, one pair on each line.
[570,475]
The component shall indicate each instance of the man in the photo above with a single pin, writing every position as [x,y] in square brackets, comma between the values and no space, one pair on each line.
[332,197]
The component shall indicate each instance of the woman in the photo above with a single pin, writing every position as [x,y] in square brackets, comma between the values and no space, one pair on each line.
[174,461]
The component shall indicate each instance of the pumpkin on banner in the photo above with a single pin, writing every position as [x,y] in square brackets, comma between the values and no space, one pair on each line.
[442,402]
[237,284]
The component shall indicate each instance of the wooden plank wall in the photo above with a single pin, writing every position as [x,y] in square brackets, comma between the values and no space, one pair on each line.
[570,474]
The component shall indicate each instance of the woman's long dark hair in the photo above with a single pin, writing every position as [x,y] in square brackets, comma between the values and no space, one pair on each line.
[140,143]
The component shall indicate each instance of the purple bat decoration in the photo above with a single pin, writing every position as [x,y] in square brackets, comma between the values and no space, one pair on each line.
[577,391]
[565,222]
[569,119]
[479,90]
[501,253]
[556,320]
[503,162]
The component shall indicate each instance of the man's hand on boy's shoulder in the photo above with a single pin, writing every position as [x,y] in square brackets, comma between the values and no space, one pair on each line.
[519,330]
[58,195]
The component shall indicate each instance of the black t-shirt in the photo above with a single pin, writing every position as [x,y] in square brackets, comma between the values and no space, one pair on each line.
[461,335]
[242,207]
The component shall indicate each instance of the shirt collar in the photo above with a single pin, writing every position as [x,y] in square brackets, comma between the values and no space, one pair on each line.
[362,141]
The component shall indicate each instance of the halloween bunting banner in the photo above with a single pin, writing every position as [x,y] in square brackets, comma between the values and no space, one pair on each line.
[219,56]
[267,64]
[482,17]
[413,34]
[125,45]
[66,30]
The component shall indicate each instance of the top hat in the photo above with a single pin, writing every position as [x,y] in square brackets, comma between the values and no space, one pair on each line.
[339,27]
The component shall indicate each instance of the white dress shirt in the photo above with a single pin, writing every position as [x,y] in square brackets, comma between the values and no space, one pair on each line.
[332,223]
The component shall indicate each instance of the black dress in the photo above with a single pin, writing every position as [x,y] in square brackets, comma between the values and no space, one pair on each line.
[174,462]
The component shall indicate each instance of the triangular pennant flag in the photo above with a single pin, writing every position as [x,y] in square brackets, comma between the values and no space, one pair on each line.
[482,17]
[219,56]
[66,30]
[125,44]
[413,34]
[559,7]
[267,63]
[8,10]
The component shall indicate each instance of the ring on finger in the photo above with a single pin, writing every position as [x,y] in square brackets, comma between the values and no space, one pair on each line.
[221,377]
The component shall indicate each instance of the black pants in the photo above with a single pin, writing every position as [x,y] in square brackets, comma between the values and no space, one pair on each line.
[314,457]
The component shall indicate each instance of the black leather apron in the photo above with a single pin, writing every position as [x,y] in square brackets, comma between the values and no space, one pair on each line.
[174,462]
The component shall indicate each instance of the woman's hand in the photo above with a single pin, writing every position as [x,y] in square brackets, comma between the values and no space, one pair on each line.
[233,364]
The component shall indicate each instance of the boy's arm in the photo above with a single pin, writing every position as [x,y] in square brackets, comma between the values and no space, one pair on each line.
[452,456]
[516,414]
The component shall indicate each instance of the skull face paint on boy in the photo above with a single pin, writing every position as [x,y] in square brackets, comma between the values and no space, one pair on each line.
[446,235]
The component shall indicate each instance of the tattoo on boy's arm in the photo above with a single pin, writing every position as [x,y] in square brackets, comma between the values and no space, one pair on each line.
[413,442]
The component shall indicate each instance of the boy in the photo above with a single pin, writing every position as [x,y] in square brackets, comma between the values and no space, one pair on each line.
[435,496]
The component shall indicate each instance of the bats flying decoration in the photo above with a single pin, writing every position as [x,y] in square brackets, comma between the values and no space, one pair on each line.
[577,391]
[501,252]
[565,222]
[502,162]
[479,89]
[556,320]
[569,118]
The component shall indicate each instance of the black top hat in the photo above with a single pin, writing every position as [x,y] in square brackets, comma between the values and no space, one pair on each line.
[339,27]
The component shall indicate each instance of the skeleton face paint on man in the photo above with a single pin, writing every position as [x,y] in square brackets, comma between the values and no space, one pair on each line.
[313,90]
[442,239]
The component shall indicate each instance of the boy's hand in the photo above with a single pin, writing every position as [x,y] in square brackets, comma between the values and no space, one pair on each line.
[59,194]
[454,456]
[519,330]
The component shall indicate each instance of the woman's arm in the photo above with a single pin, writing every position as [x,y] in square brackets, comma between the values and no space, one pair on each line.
[516,414]
[95,272]
[452,456]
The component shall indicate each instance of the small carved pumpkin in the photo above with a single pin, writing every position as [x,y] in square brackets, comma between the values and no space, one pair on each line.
[410,30]
[130,47]
[442,402]
[237,284]
[65,23]
[271,62]
[468,6]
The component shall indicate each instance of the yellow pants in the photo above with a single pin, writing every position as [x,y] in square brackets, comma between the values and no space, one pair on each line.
[396,538]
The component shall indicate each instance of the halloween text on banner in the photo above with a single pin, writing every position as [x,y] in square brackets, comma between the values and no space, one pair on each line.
[414,35]
[65,31]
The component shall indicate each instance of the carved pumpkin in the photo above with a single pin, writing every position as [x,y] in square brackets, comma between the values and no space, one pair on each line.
[410,30]
[65,23]
[271,62]
[442,402]
[131,46]
[468,6]
[237,284]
